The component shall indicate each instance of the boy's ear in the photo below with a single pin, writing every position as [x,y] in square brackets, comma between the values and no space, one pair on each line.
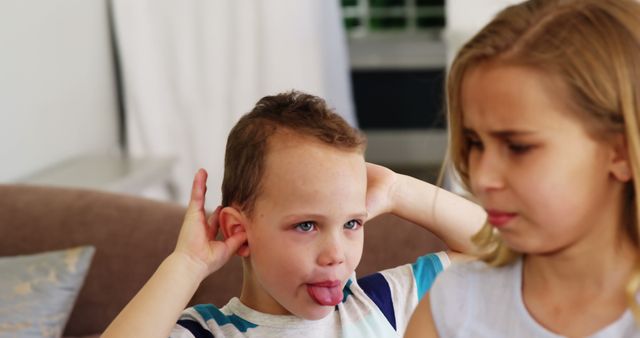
[620,164]
[231,221]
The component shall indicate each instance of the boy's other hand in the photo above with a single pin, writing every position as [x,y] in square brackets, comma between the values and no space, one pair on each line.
[197,240]
[380,188]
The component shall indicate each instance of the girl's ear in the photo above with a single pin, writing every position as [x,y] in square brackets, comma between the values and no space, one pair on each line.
[232,221]
[620,164]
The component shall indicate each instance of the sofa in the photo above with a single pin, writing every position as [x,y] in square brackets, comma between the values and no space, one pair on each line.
[132,235]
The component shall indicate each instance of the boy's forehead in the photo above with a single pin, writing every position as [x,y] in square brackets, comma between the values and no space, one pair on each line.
[285,138]
[295,146]
[290,153]
[303,175]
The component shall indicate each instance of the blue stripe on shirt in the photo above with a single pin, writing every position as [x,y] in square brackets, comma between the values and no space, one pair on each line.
[377,288]
[346,291]
[208,311]
[425,270]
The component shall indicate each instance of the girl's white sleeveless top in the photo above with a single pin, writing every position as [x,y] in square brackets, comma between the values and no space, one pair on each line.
[476,300]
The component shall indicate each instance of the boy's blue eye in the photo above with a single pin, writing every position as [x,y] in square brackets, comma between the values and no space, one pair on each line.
[305,226]
[352,224]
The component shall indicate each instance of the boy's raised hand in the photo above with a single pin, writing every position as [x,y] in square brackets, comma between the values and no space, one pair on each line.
[381,184]
[452,218]
[197,240]
[157,306]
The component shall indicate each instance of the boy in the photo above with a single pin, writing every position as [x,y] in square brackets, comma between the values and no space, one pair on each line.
[296,193]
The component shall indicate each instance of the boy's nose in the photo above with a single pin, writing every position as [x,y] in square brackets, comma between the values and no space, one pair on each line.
[331,252]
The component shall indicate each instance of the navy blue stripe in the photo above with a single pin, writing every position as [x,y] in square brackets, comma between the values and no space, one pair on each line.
[377,288]
[195,328]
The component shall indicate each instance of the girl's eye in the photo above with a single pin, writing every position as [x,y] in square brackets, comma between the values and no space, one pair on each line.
[352,224]
[518,149]
[305,226]
[474,143]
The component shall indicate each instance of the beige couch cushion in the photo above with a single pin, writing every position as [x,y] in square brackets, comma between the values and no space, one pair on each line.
[133,235]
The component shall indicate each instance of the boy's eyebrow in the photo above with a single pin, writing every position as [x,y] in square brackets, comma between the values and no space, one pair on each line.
[362,215]
[311,216]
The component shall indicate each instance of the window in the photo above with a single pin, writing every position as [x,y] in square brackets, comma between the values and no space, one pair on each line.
[364,17]
[398,62]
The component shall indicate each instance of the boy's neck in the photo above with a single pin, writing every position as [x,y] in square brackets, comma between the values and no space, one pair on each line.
[254,300]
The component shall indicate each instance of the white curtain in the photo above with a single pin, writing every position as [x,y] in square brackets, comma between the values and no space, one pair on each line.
[191,68]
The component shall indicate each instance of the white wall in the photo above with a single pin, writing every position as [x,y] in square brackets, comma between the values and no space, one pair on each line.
[467,17]
[57,92]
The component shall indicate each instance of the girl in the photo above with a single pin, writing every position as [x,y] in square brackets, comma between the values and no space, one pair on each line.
[544,108]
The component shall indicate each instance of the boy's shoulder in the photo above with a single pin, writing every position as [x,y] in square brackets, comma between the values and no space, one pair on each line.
[238,320]
[420,274]
[203,320]
[381,302]
[394,293]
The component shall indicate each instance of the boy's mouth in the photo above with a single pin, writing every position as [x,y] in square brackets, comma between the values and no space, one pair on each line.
[328,293]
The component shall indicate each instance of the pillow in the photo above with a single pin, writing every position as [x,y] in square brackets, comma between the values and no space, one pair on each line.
[37,291]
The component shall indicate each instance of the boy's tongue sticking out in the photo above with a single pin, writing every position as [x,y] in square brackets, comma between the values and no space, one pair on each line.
[327,293]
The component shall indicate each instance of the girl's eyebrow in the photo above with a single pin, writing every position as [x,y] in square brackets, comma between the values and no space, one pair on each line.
[468,132]
[500,134]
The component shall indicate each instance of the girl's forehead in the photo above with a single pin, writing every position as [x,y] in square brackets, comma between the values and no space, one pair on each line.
[511,97]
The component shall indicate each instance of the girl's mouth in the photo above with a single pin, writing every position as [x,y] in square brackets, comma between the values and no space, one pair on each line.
[499,219]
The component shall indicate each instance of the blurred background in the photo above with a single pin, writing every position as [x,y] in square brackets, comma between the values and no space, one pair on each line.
[134,96]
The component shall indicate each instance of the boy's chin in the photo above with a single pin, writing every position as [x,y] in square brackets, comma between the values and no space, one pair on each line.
[316,313]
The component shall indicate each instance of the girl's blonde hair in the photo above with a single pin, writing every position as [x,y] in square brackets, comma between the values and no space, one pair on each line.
[593,48]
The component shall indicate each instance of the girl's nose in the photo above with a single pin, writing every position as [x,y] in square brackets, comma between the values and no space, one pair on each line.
[332,251]
[486,172]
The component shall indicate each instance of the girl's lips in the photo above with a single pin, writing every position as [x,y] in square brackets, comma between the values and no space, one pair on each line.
[499,219]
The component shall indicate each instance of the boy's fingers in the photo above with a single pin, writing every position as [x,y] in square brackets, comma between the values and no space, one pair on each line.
[213,223]
[213,219]
[196,204]
[197,189]
[235,241]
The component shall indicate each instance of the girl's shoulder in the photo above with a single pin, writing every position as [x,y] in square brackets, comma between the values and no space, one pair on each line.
[463,282]
[464,296]
[481,271]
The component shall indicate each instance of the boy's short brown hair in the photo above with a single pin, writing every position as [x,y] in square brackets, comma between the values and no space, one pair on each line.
[295,111]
